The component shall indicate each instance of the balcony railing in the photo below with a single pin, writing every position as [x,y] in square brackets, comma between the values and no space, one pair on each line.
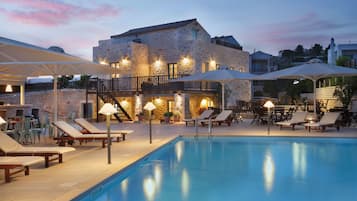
[156,83]
[134,84]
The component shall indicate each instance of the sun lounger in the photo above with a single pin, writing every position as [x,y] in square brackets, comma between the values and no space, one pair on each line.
[23,162]
[223,117]
[205,115]
[70,133]
[329,119]
[297,118]
[90,128]
[10,147]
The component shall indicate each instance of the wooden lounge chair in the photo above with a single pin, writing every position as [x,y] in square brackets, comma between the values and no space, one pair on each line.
[204,115]
[69,133]
[23,162]
[223,117]
[328,120]
[10,147]
[297,118]
[91,129]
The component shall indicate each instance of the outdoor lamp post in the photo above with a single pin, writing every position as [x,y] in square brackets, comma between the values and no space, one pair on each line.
[150,107]
[108,109]
[269,105]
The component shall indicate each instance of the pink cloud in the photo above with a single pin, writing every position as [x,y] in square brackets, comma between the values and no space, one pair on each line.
[306,30]
[53,13]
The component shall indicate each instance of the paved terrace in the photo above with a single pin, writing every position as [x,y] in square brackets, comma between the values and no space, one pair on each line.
[88,165]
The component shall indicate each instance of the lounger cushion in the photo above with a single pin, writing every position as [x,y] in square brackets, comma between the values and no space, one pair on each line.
[298,117]
[328,119]
[73,132]
[90,128]
[204,115]
[9,145]
[20,160]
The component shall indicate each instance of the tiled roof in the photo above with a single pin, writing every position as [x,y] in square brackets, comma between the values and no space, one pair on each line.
[137,31]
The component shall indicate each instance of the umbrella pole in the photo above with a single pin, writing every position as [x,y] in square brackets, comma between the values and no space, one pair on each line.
[22,94]
[55,107]
[314,82]
[222,96]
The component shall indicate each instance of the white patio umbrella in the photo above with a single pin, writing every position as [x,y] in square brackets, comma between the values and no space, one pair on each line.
[312,70]
[222,76]
[25,60]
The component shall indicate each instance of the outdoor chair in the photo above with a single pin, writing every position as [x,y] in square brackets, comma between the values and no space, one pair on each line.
[260,115]
[10,147]
[223,117]
[20,163]
[204,115]
[91,129]
[70,133]
[297,118]
[328,120]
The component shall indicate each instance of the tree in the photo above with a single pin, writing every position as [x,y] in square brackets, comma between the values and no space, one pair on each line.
[63,81]
[345,87]
[316,50]
[299,50]
[343,61]
[83,81]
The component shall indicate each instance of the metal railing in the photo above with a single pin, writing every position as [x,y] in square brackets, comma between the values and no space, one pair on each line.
[133,84]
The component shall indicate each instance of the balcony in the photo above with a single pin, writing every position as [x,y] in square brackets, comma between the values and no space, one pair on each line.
[159,84]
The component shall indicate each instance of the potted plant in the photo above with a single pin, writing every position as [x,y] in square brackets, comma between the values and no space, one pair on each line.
[140,116]
[167,116]
[177,116]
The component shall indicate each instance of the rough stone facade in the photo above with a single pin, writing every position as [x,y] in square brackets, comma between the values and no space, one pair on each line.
[69,102]
[189,47]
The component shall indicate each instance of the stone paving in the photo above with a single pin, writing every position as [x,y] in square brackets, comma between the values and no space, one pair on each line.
[88,166]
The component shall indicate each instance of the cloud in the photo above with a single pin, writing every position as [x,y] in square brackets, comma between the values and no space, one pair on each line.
[53,13]
[307,30]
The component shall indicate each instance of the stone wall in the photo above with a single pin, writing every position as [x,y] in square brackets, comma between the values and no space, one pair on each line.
[69,102]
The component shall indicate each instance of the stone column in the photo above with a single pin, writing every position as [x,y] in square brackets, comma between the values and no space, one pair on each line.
[138,105]
[22,94]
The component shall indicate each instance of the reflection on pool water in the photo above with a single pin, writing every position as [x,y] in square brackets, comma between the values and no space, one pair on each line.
[238,168]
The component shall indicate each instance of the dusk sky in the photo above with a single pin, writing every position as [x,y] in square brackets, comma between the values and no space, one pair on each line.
[267,25]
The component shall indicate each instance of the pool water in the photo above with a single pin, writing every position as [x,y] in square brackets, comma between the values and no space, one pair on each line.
[238,168]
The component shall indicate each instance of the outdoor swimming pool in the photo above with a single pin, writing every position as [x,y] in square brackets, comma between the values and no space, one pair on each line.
[238,168]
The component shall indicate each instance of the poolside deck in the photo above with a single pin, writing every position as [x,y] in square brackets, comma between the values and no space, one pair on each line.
[88,165]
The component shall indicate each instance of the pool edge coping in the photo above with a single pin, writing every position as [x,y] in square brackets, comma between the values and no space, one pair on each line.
[92,183]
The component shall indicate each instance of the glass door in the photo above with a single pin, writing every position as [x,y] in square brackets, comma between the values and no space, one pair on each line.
[172,70]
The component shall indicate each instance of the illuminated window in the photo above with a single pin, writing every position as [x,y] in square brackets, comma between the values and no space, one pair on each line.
[172,70]
[116,66]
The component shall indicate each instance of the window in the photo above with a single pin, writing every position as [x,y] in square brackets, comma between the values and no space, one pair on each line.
[170,105]
[172,70]
[194,34]
[116,66]
[205,67]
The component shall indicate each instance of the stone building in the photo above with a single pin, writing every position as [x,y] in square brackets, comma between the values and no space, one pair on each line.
[146,59]
[260,63]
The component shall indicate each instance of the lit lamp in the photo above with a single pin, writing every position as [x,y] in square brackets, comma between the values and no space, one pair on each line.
[150,107]
[8,88]
[108,109]
[268,105]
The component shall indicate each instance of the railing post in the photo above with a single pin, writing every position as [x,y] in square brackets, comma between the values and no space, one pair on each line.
[137,83]
[97,97]
[112,85]
[87,107]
